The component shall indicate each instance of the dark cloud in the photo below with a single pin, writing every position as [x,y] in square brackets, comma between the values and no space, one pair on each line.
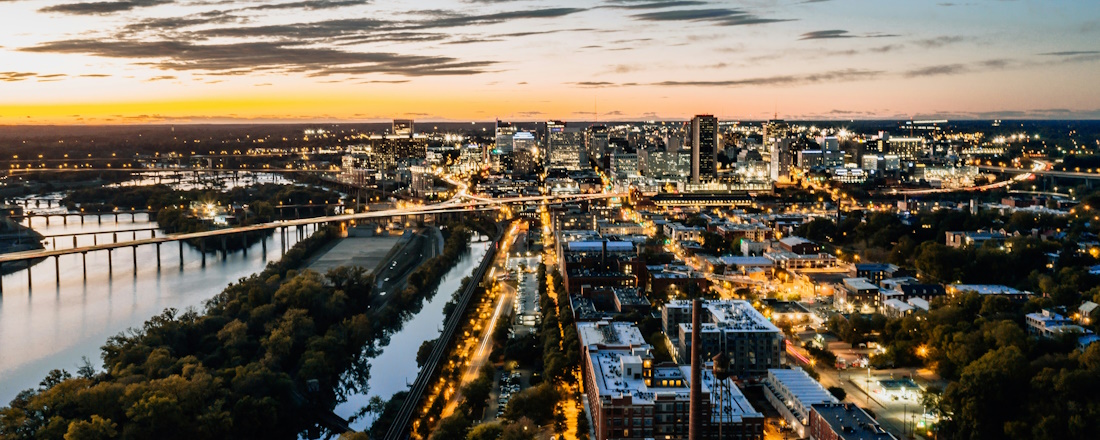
[839,33]
[1071,53]
[833,33]
[718,16]
[103,7]
[16,76]
[654,4]
[242,58]
[310,5]
[938,70]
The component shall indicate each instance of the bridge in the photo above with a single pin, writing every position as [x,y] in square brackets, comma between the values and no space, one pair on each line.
[301,226]
[1046,172]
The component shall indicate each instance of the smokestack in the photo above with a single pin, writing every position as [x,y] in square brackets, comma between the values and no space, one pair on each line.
[695,420]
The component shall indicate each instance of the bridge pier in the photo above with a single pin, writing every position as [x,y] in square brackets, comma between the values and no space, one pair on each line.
[114,237]
[263,244]
[110,262]
[57,268]
[181,253]
[74,242]
[158,256]
[1,279]
[65,220]
[82,219]
[225,250]
[84,264]
[95,240]
[100,218]
[29,284]
[55,243]
[47,219]
[202,249]
[135,260]
[244,243]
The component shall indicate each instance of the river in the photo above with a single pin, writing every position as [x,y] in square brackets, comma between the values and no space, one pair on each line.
[395,368]
[51,327]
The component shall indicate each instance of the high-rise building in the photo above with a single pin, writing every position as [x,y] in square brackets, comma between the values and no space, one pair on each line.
[525,153]
[504,133]
[403,127]
[704,148]
[782,158]
[565,146]
[596,143]
[501,155]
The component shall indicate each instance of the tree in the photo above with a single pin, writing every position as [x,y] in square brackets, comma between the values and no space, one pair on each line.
[536,403]
[838,392]
[988,394]
[424,352]
[486,431]
[454,426]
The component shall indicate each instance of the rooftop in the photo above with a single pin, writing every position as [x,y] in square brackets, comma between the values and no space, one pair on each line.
[850,422]
[987,289]
[730,315]
[610,334]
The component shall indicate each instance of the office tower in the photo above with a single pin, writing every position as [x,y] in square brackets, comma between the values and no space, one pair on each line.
[525,153]
[596,142]
[403,127]
[774,130]
[782,158]
[500,157]
[504,133]
[565,146]
[704,148]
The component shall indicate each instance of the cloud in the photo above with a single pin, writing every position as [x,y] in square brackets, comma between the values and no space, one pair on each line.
[718,16]
[845,75]
[1071,53]
[961,68]
[102,7]
[653,4]
[840,33]
[242,58]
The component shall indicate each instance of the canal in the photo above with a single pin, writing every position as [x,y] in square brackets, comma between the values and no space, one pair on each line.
[395,368]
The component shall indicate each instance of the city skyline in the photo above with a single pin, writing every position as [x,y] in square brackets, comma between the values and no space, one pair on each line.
[149,61]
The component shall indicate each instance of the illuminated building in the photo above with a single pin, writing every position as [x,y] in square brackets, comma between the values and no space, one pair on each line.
[565,146]
[632,397]
[704,148]
[752,343]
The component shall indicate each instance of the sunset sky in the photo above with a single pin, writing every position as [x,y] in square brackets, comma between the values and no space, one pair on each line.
[148,61]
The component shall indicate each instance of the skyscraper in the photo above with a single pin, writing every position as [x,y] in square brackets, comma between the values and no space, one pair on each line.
[504,133]
[704,148]
[596,143]
[565,146]
[525,153]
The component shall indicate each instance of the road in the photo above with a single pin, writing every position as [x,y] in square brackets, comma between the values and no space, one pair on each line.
[888,413]
[504,295]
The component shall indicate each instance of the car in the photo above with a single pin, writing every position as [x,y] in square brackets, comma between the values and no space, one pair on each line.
[386,280]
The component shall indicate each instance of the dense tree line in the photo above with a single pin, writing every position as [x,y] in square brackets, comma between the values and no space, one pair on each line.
[157,197]
[1002,383]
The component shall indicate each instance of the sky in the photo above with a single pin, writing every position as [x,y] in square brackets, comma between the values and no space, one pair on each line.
[205,61]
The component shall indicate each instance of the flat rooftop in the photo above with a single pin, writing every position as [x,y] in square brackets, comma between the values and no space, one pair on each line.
[850,422]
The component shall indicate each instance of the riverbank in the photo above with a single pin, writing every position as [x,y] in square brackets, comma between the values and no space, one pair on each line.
[269,352]
[14,237]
